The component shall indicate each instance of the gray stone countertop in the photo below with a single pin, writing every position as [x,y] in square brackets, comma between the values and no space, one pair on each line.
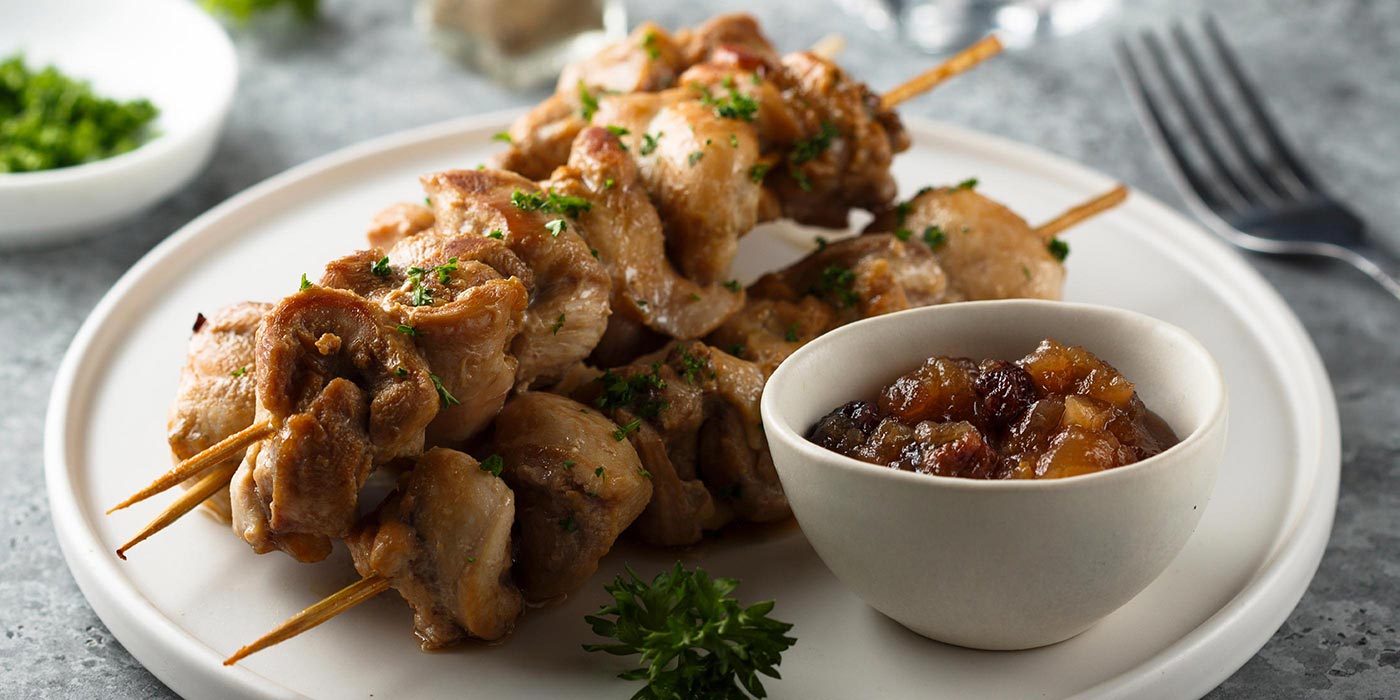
[1331,71]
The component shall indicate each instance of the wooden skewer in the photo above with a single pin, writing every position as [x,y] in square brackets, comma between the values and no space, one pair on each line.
[335,604]
[927,80]
[204,488]
[198,464]
[829,46]
[1080,212]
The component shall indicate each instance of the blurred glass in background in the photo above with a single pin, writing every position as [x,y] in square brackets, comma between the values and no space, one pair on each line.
[942,26]
[520,43]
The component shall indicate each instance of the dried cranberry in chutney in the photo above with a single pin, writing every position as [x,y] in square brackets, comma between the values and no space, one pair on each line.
[1059,411]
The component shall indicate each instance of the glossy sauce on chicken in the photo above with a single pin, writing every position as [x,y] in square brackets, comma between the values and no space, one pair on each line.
[1059,411]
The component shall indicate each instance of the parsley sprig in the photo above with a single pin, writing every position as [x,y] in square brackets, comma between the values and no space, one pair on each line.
[694,639]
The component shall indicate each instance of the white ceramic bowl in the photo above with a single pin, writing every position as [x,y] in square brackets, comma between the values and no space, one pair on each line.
[168,51]
[997,564]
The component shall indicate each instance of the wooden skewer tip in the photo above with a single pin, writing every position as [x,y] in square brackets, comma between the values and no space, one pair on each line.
[200,463]
[334,604]
[1082,212]
[959,62]
[206,486]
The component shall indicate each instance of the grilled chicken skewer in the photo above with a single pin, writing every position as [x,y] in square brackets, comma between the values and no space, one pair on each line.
[443,539]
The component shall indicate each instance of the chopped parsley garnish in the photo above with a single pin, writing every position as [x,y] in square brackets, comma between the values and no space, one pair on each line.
[809,148]
[503,137]
[556,227]
[694,638]
[446,396]
[822,243]
[408,330]
[694,296]
[736,350]
[968,184]
[594,253]
[736,106]
[649,143]
[305,283]
[734,140]
[558,324]
[790,334]
[901,211]
[493,464]
[623,431]
[380,267]
[588,104]
[691,366]
[550,202]
[1058,248]
[49,120]
[837,286]
[638,392]
[608,184]
[239,372]
[496,234]
[934,237]
[567,524]
[903,234]
[598,472]
[618,131]
[733,286]
[400,372]
[757,172]
[422,296]
[1026,271]
[695,157]
[650,45]
[641,303]
[643,471]
[444,272]
[241,11]
[801,178]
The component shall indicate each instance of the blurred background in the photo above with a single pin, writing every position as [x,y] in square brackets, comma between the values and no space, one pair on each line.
[364,68]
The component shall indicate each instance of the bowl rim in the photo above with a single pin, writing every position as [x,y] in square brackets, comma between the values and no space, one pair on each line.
[161,142]
[777,426]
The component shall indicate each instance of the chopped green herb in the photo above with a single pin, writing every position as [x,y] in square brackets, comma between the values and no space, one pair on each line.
[691,366]
[400,372]
[556,227]
[641,303]
[444,272]
[567,524]
[736,106]
[241,11]
[649,143]
[598,471]
[608,184]
[380,267]
[934,237]
[49,120]
[496,234]
[970,183]
[471,560]
[617,131]
[645,474]
[239,372]
[594,253]
[443,394]
[694,296]
[694,639]
[790,334]
[408,330]
[758,171]
[736,350]
[902,234]
[695,157]
[623,431]
[422,296]
[305,283]
[836,286]
[1058,248]
[638,392]
[822,243]
[493,464]
[1026,271]
[809,148]
[650,45]
[800,177]
[550,202]
[568,463]
[588,104]
[503,137]
[558,323]
[734,140]
[733,286]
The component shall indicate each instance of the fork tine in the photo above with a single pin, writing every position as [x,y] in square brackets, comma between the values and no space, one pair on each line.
[1293,167]
[1157,125]
[1210,145]
[1259,175]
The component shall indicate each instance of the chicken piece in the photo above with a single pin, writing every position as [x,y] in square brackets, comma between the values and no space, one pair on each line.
[691,413]
[987,250]
[443,541]
[648,60]
[459,311]
[698,169]
[577,488]
[215,397]
[568,309]
[398,222]
[344,392]
[624,228]
[844,281]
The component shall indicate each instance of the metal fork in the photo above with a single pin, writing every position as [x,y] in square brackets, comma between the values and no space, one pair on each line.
[1230,161]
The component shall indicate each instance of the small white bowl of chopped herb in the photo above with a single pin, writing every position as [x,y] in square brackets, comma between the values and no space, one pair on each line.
[105,108]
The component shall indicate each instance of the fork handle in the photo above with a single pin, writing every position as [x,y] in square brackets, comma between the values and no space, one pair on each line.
[1379,264]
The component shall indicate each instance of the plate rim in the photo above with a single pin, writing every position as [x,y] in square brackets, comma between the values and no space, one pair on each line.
[1197,662]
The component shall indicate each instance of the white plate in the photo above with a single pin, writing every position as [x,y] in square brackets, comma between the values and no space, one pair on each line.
[194,594]
[168,51]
